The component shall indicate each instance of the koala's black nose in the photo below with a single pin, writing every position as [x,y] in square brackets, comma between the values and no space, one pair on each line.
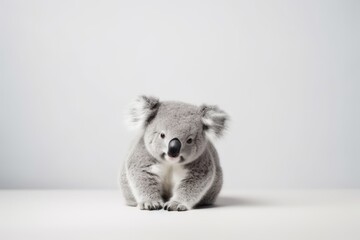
[174,147]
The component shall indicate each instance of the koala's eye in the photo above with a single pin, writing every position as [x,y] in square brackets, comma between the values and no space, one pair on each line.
[189,141]
[162,135]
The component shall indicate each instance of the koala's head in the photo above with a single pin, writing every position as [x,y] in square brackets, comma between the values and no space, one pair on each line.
[174,131]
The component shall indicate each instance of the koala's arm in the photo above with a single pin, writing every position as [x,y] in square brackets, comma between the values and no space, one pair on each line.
[192,189]
[144,184]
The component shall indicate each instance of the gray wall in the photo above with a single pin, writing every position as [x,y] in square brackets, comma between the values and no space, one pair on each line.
[286,71]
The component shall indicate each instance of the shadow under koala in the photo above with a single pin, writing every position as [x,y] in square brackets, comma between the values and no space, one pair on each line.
[232,201]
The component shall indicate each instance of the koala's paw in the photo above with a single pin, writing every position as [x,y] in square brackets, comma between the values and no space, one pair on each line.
[151,205]
[175,206]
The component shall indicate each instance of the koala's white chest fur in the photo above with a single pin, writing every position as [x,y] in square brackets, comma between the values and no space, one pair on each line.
[170,175]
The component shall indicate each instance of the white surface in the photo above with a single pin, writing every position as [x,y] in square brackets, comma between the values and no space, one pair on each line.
[318,214]
[287,72]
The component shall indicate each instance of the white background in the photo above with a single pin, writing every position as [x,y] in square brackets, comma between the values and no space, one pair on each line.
[287,72]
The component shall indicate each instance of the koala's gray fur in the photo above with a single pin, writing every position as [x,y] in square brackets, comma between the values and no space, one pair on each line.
[150,178]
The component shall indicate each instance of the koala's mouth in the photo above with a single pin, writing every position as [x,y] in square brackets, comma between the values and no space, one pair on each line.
[178,159]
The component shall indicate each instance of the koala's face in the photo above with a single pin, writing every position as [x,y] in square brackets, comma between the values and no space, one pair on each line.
[177,132]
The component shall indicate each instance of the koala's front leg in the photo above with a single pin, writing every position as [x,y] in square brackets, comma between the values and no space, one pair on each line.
[191,189]
[145,185]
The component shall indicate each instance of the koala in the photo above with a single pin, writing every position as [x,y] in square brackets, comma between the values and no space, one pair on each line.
[173,163]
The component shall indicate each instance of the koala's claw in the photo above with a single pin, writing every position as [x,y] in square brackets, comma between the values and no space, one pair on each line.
[175,206]
[151,205]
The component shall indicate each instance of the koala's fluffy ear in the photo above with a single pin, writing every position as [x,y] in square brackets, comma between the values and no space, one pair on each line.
[142,111]
[214,121]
